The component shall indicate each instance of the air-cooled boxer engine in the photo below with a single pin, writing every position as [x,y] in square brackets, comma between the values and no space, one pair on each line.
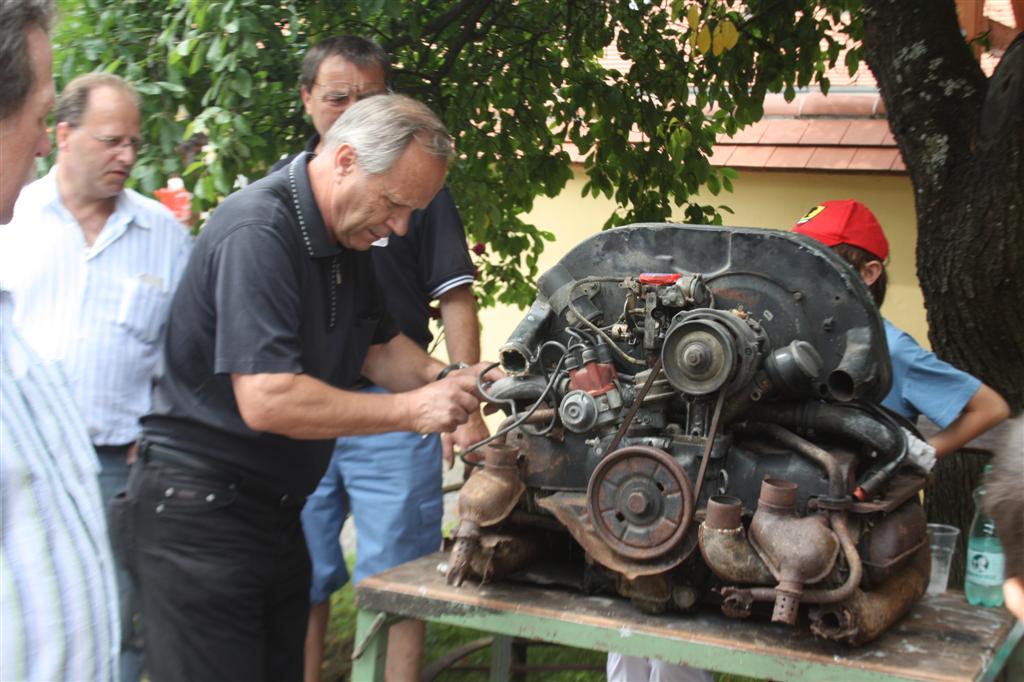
[693,418]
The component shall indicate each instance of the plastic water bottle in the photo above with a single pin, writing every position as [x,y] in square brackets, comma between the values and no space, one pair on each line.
[985,559]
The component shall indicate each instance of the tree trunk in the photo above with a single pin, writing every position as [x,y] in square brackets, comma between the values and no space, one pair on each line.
[962,138]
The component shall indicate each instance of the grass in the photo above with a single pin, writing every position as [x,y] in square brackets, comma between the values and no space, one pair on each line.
[441,639]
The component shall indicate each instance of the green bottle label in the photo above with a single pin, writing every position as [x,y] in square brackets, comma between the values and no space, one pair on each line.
[985,568]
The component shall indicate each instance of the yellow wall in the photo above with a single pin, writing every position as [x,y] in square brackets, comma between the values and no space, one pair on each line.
[761,199]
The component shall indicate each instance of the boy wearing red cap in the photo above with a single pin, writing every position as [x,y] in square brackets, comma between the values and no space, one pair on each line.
[961,405]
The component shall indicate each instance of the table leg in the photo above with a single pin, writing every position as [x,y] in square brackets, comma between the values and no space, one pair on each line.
[371,646]
[501,658]
[1007,655]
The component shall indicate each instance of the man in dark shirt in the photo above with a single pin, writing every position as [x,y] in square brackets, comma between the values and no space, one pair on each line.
[278,312]
[397,511]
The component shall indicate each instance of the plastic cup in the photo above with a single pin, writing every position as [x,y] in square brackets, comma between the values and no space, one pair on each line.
[942,539]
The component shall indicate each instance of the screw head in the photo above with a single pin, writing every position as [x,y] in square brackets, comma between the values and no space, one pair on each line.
[637,502]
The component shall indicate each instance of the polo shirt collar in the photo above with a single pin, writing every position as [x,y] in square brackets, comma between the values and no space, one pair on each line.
[312,142]
[311,223]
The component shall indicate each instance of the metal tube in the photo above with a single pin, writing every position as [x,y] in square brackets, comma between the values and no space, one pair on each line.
[842,529]
[824,458]
[845,421]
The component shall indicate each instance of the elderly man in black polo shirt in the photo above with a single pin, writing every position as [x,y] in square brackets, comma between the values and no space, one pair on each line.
[277,314]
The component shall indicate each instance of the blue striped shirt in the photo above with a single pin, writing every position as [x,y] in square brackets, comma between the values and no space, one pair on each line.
[58,596]
[100,310]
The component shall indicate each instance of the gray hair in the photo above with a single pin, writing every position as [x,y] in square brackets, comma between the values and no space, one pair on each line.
[381,128]
[17,18]
[74,99]
[1003,500]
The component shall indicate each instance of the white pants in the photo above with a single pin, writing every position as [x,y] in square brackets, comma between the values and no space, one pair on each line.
[634,669]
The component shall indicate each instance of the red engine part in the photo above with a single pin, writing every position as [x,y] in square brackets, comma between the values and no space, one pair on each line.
[659,278]
[594,377]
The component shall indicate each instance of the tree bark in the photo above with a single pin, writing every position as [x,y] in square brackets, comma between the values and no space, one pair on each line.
[962,138]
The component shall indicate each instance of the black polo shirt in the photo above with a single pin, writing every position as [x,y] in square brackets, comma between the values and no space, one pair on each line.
[421,266]
[265,291]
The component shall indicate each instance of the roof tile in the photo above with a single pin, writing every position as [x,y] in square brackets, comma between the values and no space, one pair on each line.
[824,132]
[721,153]
[831,158]
[873,159]
[851,105]
[776,105]
[752,134]
[784,131]
[790,157]
[871,132]
[751,157]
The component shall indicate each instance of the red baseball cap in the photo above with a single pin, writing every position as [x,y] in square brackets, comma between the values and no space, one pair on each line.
[845,221]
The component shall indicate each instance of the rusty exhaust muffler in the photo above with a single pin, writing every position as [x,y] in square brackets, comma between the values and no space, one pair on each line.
[486,499]
[725,547]
[865,615]
[798,552]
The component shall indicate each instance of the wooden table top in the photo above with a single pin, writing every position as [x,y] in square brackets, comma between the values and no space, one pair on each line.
[942,638]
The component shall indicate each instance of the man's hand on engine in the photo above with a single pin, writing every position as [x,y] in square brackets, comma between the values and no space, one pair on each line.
[442,406]
[492,375]
[473,431]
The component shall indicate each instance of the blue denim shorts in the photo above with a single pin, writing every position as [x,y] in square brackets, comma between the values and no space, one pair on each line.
[391,484]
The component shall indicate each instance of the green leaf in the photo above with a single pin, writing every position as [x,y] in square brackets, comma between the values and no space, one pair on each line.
[241,125]
[242,83]
[173,88]
[196,63]
[216,50]
[852,60]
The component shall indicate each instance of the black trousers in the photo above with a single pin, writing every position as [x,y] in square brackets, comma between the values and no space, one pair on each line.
[223,577]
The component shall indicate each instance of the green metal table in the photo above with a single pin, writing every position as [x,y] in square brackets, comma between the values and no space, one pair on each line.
[942,639]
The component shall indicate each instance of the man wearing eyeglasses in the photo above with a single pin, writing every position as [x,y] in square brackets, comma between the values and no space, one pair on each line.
[92,267]
[397,509]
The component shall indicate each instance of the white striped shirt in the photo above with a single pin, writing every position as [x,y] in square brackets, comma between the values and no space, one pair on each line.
[58,596]
[99,311]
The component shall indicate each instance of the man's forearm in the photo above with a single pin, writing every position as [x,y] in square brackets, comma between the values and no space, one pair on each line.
[400,365]
[461,327]
[985,409]
[301,407]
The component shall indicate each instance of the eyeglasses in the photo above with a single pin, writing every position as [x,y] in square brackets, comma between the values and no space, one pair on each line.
[119,142]
[343,98]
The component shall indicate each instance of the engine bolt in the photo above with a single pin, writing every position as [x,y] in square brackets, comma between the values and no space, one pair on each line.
[637,502]
[695,356]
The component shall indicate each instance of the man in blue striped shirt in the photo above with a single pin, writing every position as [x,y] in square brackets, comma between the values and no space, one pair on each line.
[92,267]
[58,600]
